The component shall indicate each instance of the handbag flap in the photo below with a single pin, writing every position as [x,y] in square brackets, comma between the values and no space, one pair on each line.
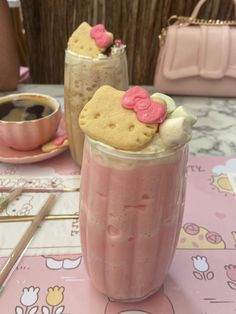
[205,51]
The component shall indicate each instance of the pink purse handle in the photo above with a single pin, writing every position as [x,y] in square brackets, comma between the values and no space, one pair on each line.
[200,3]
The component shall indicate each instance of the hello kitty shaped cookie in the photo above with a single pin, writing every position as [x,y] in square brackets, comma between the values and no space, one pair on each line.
[90,41]
[124,120]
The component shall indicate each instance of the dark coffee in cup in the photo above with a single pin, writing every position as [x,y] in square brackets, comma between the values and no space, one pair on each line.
[23,110]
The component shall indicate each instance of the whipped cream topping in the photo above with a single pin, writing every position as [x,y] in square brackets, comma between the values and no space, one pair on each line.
[115,51]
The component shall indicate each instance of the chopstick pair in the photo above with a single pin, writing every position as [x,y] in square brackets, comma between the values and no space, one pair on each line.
[22,245]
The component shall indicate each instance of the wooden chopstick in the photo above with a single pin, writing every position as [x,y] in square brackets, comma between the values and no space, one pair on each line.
[18,251]
[31,217]
[9,198]
[41,190]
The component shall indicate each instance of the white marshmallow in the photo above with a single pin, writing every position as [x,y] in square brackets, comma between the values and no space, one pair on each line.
[175,132]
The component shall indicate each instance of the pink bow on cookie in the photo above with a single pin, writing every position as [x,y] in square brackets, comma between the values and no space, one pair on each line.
[147,110]
[99,34]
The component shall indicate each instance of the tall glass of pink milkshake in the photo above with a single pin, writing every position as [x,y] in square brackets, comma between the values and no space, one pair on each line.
[131,209]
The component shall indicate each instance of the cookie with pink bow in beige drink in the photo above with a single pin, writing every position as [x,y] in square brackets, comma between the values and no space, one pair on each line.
[131,120]
[89,40]
[93,58]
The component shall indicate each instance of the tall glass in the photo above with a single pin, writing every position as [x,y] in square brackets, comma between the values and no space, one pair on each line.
[131,209]
[83,76]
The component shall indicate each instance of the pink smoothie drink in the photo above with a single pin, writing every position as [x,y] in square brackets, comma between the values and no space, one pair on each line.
[131,209]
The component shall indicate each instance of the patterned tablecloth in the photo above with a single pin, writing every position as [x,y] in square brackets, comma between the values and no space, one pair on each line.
[202,278]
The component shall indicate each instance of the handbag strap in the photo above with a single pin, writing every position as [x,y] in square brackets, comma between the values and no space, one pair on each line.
[192,19]
[199,5]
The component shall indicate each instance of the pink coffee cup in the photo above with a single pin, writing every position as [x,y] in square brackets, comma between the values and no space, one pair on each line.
[30,134]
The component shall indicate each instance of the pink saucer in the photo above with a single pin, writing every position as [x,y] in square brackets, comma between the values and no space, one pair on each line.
[12,156]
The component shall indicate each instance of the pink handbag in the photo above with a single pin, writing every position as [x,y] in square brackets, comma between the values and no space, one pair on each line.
[197,57]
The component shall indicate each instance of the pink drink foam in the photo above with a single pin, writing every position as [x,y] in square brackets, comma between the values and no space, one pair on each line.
[130,219]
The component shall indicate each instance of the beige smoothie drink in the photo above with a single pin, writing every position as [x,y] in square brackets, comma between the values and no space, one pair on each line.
[132,201]
[87,67]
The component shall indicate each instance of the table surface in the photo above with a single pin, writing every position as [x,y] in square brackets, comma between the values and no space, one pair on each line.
[202,278]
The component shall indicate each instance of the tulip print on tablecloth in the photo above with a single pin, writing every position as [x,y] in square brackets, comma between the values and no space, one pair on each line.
[30,297]
[201,265]
[231,274]
[28,300]
[54,298]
